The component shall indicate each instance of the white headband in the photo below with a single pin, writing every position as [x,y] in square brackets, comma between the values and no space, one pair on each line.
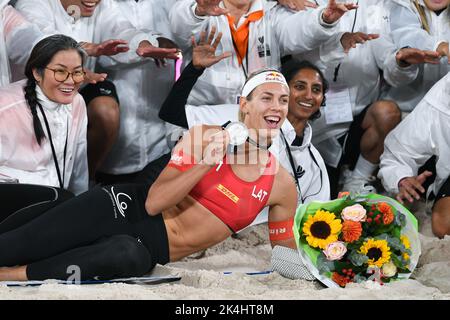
[263,77]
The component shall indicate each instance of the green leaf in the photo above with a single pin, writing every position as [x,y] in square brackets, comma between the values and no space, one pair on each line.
[324,265]
[397,261]
[357,259]
[359,278]
[400,219]
[395,244]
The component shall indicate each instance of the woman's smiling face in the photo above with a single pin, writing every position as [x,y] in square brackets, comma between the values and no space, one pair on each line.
[306,94]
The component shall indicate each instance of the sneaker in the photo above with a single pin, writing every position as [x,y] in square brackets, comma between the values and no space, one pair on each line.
[345,175]
[359,185]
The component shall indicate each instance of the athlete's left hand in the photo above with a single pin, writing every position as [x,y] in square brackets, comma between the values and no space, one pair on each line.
[168,44]
[92,77]
[106,48]
[351,39]
[334,11]
[145,49]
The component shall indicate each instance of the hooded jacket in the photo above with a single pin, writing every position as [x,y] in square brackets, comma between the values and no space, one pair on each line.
[423,133]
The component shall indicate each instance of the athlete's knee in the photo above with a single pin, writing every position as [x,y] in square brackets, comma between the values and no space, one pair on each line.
[440,220]
[386,113]
[105,109]
[131,257]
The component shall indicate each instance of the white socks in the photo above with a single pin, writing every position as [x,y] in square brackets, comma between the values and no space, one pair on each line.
[364,168]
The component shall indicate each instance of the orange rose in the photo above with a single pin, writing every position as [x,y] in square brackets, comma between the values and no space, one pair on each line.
[386,210]
[351,230]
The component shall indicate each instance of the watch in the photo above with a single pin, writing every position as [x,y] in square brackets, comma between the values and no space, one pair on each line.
[238,133]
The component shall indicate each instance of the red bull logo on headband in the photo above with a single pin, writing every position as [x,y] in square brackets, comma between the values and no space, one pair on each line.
[274,76]
[268,76]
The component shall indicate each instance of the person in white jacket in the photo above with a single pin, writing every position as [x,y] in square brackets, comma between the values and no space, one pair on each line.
[257,32]
[355,121]
[43,126]
[422,24]
[102,30]
[424,133]
[142,88]
[17,38]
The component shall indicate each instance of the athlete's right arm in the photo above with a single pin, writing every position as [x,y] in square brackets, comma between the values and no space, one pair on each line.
[198,151]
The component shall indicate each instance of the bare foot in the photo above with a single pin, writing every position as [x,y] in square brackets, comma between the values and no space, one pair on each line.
[18,273]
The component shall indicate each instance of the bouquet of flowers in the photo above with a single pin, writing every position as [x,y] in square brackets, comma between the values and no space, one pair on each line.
[356,239]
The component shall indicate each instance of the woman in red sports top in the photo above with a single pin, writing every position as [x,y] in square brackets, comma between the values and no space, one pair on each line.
[232,188]
[208,191]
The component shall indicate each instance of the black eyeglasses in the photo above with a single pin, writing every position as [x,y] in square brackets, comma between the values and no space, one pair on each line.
[62,75]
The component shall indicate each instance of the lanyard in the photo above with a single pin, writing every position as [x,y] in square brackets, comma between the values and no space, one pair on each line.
[299,171]
[55,159]
[245,69]
[336,70]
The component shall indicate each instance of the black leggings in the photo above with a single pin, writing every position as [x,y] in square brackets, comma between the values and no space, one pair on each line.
[21,203]
[104,233]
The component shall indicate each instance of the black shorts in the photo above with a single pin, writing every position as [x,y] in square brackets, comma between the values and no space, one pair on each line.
[444,191]
[351,142]
[100,89]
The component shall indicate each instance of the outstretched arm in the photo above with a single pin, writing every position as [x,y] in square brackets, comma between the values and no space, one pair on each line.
[204,56]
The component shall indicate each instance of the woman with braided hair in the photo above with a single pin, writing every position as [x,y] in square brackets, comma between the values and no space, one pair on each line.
[43,122]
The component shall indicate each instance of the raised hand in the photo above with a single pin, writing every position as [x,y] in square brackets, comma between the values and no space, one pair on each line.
[410,187]
[443,50]
[334,11]
[145,49]
[106,48]
[409,56]
[297,5]
[169,44]
[92,77]
[351,39]
[204,53]
[209,8]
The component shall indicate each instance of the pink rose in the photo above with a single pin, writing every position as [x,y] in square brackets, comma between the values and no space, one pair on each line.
[335,250]
[354,213]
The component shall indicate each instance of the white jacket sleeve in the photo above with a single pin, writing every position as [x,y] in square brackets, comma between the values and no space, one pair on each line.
[406,29]
[20,36]
[79,180]
[407,147]
[39,13]
[310,29]
[184,22]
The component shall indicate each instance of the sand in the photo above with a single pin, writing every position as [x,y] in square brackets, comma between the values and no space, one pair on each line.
[203,277]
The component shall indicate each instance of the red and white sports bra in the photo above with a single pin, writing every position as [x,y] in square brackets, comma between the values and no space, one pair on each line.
[234,201]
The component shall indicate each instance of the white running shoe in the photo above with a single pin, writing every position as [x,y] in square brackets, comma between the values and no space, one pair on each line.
[359,184]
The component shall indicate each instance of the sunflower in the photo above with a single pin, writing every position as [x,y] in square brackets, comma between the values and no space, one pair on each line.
[377,251]
[321,229]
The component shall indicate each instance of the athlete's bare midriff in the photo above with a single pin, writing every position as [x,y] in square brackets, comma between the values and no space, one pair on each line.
[192,228]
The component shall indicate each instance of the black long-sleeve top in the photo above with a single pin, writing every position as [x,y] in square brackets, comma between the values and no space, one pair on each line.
[173,109]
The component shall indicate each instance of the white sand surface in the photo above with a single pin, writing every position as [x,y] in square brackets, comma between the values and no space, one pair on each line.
[203,277]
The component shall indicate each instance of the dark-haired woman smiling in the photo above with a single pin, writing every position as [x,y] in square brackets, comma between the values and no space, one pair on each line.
[43,128]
